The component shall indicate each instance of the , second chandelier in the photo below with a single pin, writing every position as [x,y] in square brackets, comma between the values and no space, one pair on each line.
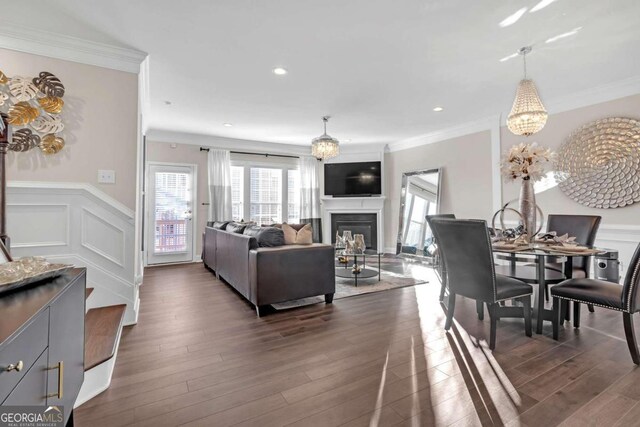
[325,146]
[527,115]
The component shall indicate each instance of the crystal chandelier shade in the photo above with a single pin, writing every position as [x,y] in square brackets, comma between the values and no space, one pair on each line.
[325,146]
[527,115]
